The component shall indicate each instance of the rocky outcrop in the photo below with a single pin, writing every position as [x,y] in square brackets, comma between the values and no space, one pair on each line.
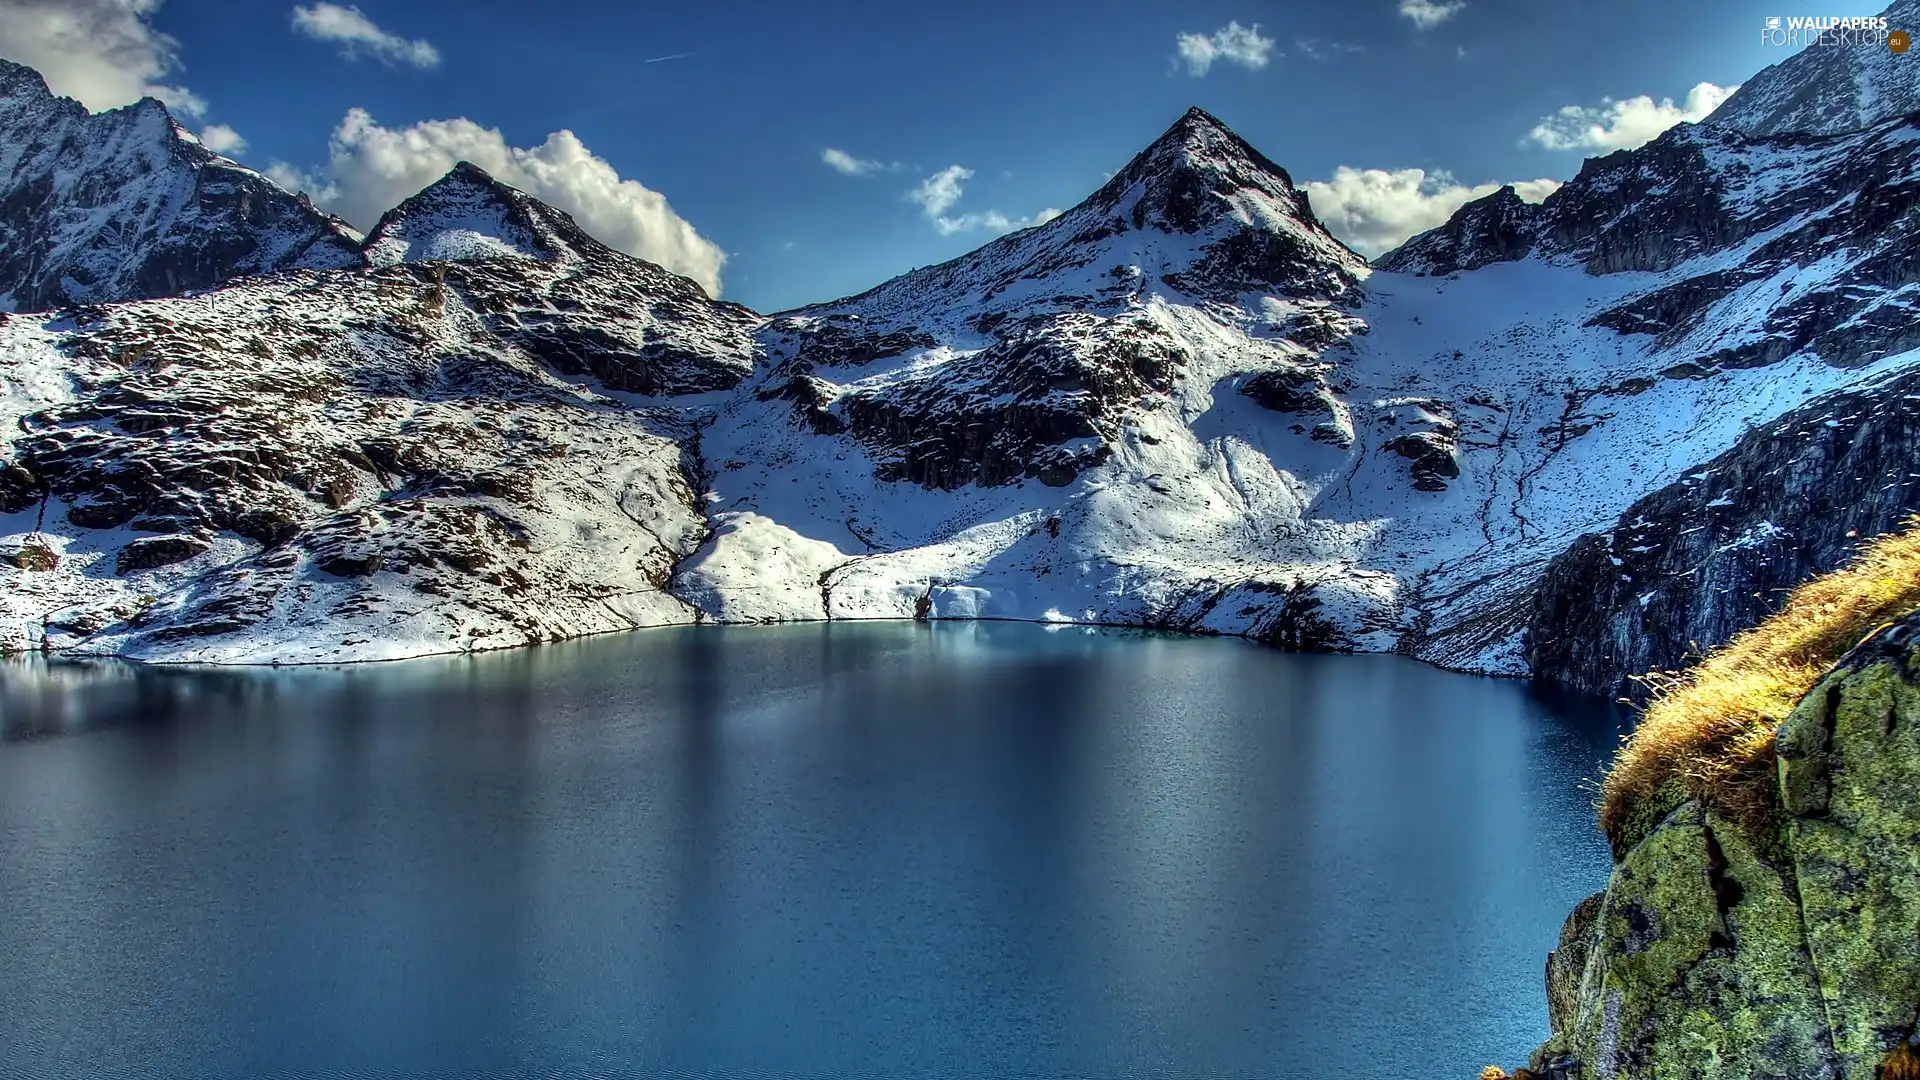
[1500,227]
[125,205]
[1691,565]
[1701,205]
[1719,954]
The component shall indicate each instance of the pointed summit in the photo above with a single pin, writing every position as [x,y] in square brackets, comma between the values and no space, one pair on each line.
[1198,214]
[468,215]
[1190,176]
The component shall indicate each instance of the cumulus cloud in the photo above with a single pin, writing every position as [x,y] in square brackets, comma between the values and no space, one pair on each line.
[371,168]
[938,193]
[1232,43]
[846,164]
[1623,125]
[1427,14]
[101,53]
[357,36]
[1376,210]
[222,139]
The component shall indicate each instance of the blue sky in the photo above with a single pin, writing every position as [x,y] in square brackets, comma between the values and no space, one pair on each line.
[1036,99]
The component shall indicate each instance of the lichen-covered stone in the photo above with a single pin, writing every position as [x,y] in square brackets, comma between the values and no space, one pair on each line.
[1858,861]
[1715,954]
[1695,966]
[1567,963]
[31,556]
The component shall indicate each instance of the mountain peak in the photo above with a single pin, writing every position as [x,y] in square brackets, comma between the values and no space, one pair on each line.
[467,215]
[1198,214]
[1194,174]
[20,80]
[124,204]
[1498,227]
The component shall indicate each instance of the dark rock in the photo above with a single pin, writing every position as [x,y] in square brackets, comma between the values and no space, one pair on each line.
[1289,391]
[1434,457]
[1702,559]
[1495,228]
[151,552]
[19,488]
[1005,412]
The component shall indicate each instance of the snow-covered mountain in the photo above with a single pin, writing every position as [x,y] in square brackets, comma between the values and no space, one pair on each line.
[127,204]
[1316,454]
[1180,404]
[364,464]
[1832,88]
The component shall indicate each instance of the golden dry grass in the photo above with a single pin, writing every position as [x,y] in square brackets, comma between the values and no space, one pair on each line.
[1901,1063]
[1709,730]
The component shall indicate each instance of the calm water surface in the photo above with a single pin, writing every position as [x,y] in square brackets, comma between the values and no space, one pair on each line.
[838,850]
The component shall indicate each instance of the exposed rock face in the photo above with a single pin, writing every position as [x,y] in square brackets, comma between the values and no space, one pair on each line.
[1702,559]
[1832,88]
[1724,956]
[125,205]
[1500,227]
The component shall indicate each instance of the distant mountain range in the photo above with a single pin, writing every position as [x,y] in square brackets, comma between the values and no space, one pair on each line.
[1577,439]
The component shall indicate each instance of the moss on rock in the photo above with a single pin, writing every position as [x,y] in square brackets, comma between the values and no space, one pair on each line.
[1721,953]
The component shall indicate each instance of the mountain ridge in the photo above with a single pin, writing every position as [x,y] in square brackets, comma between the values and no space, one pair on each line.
[74,178]
[1180,404]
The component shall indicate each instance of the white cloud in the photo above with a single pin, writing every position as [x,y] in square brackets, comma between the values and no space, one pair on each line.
[222,139]
[102,53]
[372,168]
[1233,43]
[992,221]
[1427,14]
[356,35]
[1623,125]
[938,193]
[842,162]
[1376,210]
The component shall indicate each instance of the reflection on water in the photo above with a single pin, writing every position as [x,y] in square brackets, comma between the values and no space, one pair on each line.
[874,849]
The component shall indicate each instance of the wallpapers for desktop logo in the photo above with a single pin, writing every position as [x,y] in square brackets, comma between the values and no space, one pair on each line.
[1830,31]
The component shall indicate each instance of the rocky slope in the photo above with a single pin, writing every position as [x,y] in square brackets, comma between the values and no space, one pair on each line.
[1843,85]
[1310,452]
[360,465]
[1691,565]
[126,205]
[1740,260]
[1723,954]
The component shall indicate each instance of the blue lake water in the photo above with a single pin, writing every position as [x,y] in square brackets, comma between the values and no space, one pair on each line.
[959,850]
